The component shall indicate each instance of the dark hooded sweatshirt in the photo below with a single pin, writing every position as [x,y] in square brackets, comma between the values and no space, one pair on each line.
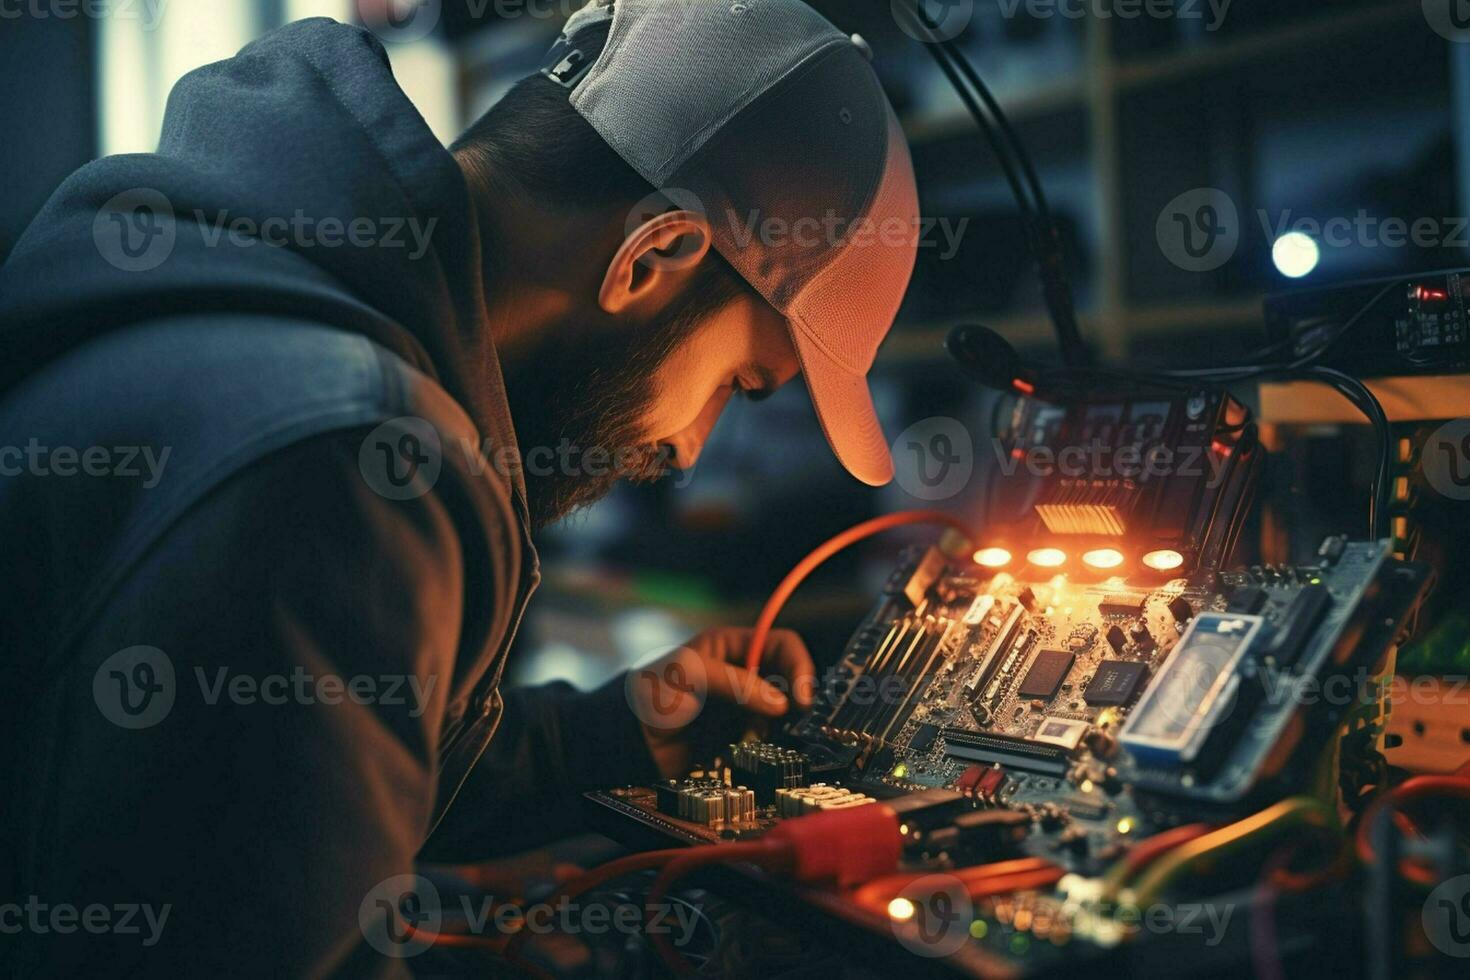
[261,551]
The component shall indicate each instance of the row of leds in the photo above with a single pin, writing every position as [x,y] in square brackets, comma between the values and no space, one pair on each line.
[1100,559]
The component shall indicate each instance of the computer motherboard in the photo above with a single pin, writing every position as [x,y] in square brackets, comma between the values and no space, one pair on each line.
[1068,717]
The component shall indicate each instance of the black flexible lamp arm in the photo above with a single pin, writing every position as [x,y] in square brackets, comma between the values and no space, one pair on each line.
[1042,236]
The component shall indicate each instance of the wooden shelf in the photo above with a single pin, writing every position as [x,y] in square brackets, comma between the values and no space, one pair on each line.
[924,343]
[1199,61]
[1202,61]
[1405,399]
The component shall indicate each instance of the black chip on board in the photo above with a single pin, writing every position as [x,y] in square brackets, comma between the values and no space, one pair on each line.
[1115,682]
[924,737]
[1247,599]
[1122,605]
[1047,672]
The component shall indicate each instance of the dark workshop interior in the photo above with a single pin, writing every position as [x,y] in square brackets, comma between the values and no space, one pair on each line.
[1066,720]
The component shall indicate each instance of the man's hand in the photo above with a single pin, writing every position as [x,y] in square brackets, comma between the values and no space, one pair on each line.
[699,698]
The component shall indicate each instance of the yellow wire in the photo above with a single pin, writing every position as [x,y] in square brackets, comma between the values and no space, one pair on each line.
[1289,812]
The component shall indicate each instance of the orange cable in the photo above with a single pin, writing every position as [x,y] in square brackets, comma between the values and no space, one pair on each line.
[821,553]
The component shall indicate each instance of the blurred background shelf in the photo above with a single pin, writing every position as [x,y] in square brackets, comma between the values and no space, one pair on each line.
[1330,24]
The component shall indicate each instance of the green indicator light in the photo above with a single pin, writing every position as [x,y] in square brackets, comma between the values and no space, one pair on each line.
[978,929]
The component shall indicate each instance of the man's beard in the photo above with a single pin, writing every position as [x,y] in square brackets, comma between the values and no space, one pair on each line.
[588,390]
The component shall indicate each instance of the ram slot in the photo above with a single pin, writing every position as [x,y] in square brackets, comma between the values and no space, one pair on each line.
[901,680]
[863,645]
[846,711]
[892,667]
[997,689]
[992,658]
[916,690]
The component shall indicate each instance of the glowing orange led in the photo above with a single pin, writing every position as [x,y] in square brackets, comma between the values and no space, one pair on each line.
[1047,557]
[1103,558]
[1163,561]
[993,557]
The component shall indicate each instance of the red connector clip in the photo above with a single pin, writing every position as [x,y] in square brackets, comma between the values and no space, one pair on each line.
[846,846]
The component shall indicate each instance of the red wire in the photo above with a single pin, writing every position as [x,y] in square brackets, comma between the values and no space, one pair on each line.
[1013,883]
[826,550]
[589,880]
[1145,851]
[1414,788]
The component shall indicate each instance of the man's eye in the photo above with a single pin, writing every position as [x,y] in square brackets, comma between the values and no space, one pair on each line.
[751,394]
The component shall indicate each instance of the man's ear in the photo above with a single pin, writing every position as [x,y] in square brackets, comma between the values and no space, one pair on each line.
[654,262]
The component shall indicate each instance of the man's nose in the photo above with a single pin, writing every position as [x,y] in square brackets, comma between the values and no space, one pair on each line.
[689,443]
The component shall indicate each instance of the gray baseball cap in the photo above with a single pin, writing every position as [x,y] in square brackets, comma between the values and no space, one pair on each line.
[773,122]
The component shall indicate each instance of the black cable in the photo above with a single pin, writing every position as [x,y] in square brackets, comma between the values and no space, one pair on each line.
[1243,372]
[1014,152]
[1043,237]
[1033,182]
[941,56]
[1232,374]
[1366,402]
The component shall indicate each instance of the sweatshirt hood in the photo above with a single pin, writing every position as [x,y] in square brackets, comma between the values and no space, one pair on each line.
[296,179]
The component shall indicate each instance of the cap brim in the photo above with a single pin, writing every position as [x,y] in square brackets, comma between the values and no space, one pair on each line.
[845,409]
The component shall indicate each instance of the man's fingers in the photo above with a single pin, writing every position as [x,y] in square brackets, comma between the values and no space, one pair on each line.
[787,654]
[735,684]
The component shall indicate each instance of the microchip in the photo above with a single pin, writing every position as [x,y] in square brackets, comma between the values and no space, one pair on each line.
[924,737]
[1085,809]
[1247,599]
[1115,682]
[1121,605]
[1047,672]
[1061,731]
